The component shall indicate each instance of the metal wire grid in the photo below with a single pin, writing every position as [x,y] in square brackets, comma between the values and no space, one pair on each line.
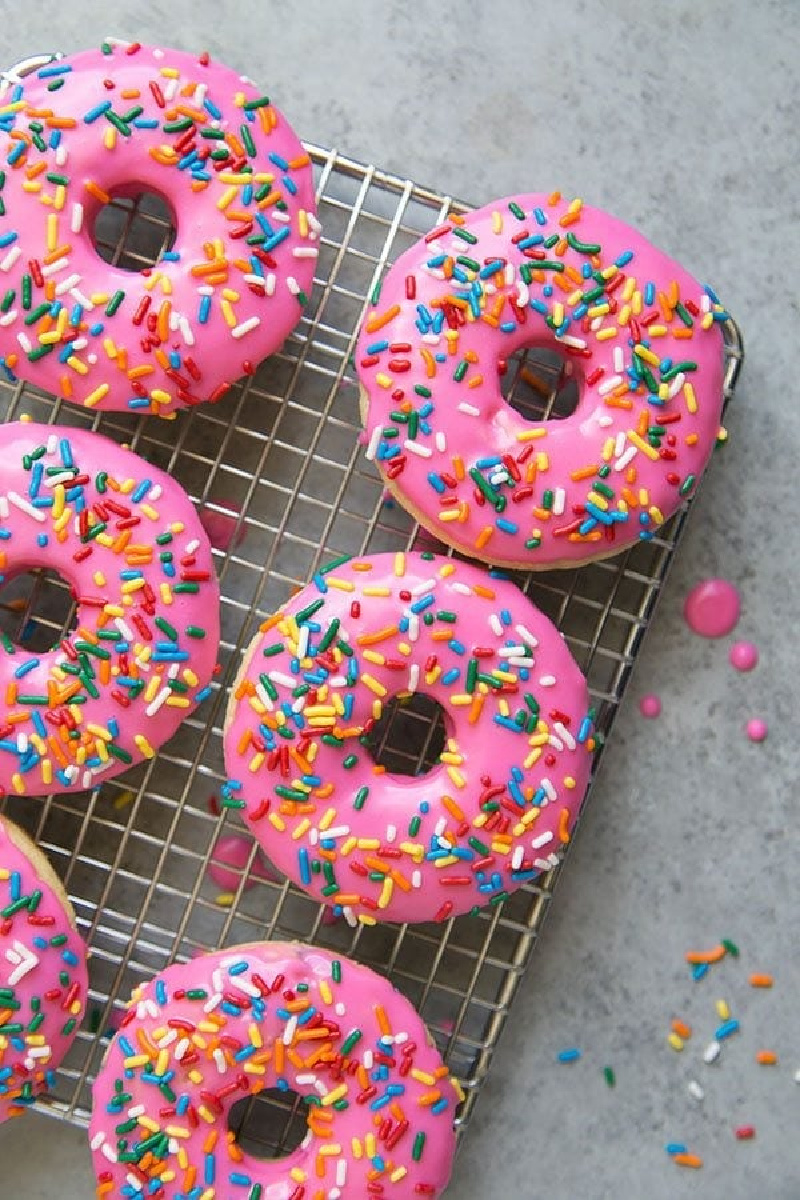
[282,460]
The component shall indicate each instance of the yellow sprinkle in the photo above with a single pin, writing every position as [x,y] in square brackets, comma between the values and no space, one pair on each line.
[691,399]
[675,1041]
[642,445]
[723,1011]
[143,746]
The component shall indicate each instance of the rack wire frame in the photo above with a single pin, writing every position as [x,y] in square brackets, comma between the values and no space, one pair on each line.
[279,467]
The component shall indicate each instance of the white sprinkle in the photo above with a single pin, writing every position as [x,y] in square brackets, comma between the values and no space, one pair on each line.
[65,284]
[372,448]
[676,385]
[136,1111]
[97,1140]
[440,827]
[10,258]
[441,441]
[422,589]
[619,444]
[302,642]
[555,742]
[559,501]
[712,1052]
[289,1031]
[219,1059]
[627,457]
[9,318]
[25,342]
[167,1040]
[543,839]
[526,636]
[80,343]
[413,677]
[413,628]
[112,1157]
[124,629]
[694,1089]
[349,916]
[24,959]
[432,339]
[270,283]
[213,1001]
[263,697]
[469,409]
[39,1052]
[496,625]
[609,384]
[169,89]
[292,284]
[78,295]
[517,857]
[306,1079]
[76,224]
[542,864]
[368,1060]
[52,444]
[391,833]
[619,359]
[158,703]
[286,681]
[21,503]
[553,860]
[508,274]
[523,294]
[305,252]
[337,831]
[565,734]
[3,508]
[22,743]
[181,1048]
[248,326]
[417,448]
[283,217]
[341,1172]
[313,224]
[155,492]
[205,290]
[552,794]
[416,879]
[569,340]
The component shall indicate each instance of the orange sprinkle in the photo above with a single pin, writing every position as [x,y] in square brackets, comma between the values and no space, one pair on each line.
[95,190]
[563,823]
[376,320]
[767,1058]
[761,981]
[688,1160]
[705,956]
[682,1029]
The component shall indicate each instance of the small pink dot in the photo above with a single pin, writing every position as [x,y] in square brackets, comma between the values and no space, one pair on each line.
[650,707]
[743,656]
[756,730]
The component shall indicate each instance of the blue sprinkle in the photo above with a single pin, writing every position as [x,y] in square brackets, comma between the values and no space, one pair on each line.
[699,969]
[305,870]
[675,1148]
[205,309]
[279,162]
[535,239]
[506,526]
[541,219]
[56,69]
[726,1028]
[569,1056]
[10,237]
[141,491]
[436,482]
[211,108]
[25,667]
[95,113]
[623,259]
[161,992]
[649,293]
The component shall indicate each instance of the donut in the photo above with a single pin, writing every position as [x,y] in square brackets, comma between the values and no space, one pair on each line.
[141,656]
[120,122]
[497,808]
[202,1036]
[640,337]
[43,977]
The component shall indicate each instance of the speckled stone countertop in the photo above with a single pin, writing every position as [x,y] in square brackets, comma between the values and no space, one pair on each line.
[682,119]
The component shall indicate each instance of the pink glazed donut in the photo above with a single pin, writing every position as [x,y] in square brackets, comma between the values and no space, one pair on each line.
[498,807]
[640,336]
[122,121]
[200,1037]
[129,542]
[42,972]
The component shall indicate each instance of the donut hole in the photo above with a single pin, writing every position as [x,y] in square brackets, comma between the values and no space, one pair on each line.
[134,230]
[270,1124]
[409,736]
[540,383]
[37,609]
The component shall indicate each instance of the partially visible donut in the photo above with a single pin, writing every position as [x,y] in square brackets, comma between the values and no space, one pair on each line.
[126,120]
[498,807]
[204,1035]
[43,977]
[641,338]
[127,539]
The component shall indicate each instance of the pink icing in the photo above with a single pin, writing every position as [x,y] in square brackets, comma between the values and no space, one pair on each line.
[383,1101]
[712,608]
[757,730]
[221,526]
[127,539]
[42,985]
[229,860]
[493,813]
[650,706]
[211,309]
[554,490]
[743,656]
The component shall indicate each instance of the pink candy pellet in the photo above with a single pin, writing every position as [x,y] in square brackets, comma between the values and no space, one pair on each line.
[743,656]
[221,526]
[712,608]
[756,729]
[650,706]
[229,859]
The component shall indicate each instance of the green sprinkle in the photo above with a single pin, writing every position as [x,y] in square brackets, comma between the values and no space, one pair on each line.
[114,303]
[194,631]
[333,564]
[516,210]
[360,798]
[609,1076]
[413,825]
[260,102]
[375,294]
[547,500]
[166,628]
[533,543]
[458,374]
[478,845]
[40,352]
[685,316]
[8,300]
[186,589]
[423,391]
[175,126]
[330,635]
[419,1140]
[197,994]
[470,263]
[336,971]
[247,140]
[731,947]
[583,247]
[604,490]
[118,123]
[350,762]
[687,485]
[465,235]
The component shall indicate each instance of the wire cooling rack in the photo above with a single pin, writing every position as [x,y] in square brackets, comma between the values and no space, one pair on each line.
[278,470]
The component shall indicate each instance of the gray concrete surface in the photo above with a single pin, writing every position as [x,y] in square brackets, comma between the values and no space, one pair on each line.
[682,118]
